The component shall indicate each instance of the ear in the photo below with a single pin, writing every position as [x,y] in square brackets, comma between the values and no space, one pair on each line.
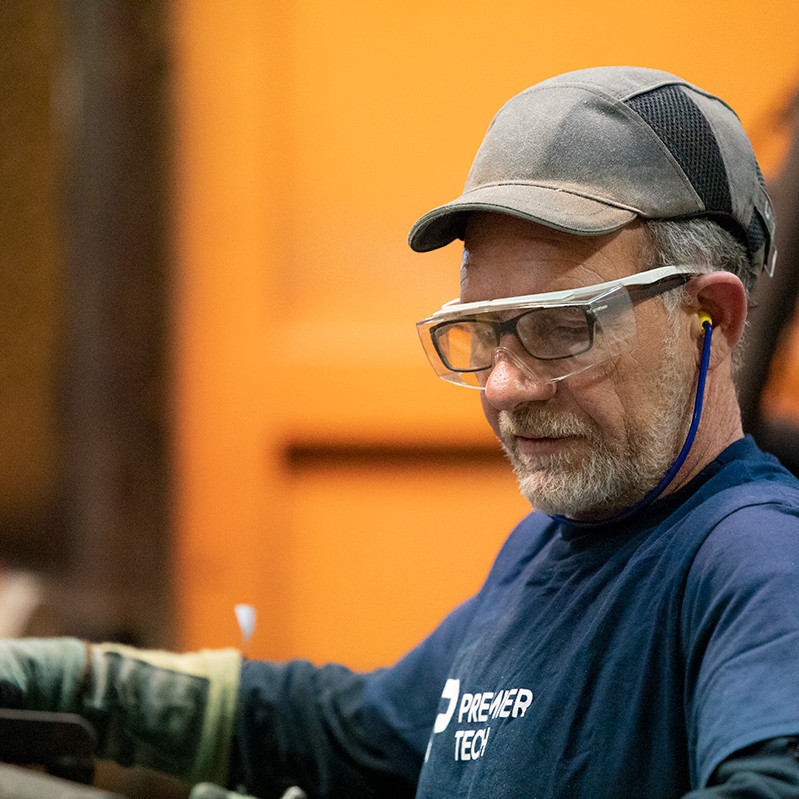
[722,296]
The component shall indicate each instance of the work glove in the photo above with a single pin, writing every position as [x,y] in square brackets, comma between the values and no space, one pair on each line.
[168,712]
[42,674]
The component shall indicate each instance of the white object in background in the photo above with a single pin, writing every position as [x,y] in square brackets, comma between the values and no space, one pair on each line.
[21,593]
[245,615]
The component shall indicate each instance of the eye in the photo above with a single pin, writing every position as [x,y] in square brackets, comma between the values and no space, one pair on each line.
[555,332]
[569,329]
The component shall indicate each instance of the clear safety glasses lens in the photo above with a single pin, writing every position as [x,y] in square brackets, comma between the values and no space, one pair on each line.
[546,333]
[549,336]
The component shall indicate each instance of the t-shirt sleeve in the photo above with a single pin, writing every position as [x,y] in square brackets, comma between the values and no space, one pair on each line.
[740,627]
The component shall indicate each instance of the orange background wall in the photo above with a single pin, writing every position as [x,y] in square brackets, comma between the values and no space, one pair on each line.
[324,474]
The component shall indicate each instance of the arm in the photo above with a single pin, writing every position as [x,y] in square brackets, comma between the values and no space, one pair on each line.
[741,635]
[294,723]
[338,733]
[172,713]
[311,726]
[274,724]
[769,770]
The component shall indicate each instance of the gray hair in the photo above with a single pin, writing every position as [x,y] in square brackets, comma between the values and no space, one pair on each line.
[707,246]
[701,243]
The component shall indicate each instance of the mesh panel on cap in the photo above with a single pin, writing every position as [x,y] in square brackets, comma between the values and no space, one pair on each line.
[756,233]
[682,127]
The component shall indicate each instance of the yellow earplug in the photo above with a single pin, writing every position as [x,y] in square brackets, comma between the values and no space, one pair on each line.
[704,316]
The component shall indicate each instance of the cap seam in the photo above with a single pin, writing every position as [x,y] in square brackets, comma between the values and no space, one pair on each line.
[560,189]
[599,90]
[666,80]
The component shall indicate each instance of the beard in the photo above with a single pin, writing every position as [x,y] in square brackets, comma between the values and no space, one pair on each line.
[593,477]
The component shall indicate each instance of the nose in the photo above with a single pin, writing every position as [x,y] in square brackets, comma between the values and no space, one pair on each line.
[511,382]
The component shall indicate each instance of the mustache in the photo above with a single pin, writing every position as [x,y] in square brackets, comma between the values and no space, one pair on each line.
[533,422]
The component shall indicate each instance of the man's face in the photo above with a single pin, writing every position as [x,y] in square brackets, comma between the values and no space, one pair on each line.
[596,442]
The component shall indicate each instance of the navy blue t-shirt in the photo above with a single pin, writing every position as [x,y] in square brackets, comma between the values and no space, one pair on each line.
[622,661]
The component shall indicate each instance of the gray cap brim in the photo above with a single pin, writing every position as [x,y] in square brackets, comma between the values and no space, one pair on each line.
[553,207]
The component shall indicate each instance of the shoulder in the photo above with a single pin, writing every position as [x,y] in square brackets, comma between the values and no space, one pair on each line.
[740,613]
[751,508]
[748,555]
[745,492]
[753,542]
[753,525]
[740,530]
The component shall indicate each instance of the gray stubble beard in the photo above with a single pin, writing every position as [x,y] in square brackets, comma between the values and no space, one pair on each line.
[607,479]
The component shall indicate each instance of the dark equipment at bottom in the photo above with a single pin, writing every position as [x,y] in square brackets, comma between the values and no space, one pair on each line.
[61,744]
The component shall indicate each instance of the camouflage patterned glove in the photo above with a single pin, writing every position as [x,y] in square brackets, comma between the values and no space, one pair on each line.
[172,713]
[42,674]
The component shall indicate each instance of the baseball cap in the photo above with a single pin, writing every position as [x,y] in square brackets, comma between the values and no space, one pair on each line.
[589,151]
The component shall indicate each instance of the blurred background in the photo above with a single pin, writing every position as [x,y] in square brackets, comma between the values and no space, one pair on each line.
[211,390]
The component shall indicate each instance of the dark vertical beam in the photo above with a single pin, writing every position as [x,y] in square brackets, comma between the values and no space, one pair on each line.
[774,309]
[774,298]
[113,106]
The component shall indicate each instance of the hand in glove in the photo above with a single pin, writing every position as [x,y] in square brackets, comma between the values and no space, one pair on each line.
[172,713]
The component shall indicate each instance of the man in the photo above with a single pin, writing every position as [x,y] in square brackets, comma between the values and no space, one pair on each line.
[638,635]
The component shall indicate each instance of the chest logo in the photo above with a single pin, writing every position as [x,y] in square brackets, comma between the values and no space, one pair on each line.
[479,708]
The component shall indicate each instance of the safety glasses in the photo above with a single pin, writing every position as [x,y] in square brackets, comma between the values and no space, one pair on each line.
[564,332]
